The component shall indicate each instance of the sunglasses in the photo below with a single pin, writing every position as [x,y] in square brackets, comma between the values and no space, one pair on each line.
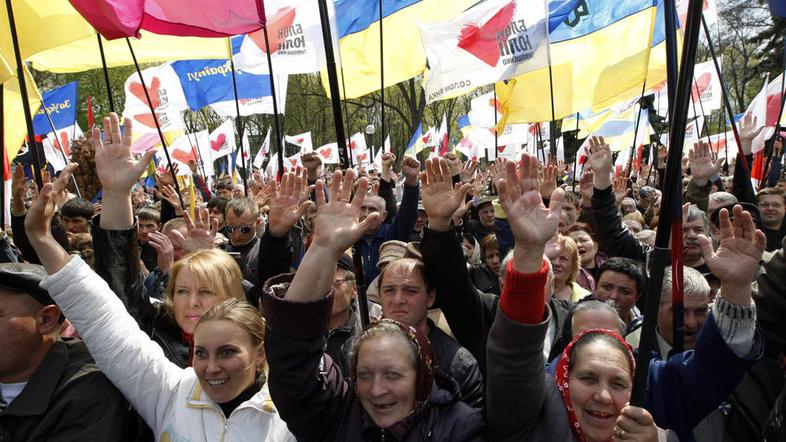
[242,229]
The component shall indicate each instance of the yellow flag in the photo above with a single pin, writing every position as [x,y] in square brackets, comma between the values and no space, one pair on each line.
[191,197]
[14,115]
[83,54]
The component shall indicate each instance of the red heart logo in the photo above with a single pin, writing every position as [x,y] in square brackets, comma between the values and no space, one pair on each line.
[326,152]
[183,156]
[481,41]
[351,144]
[502,149]
[701,85]
[300,140]
[219,142]
[293,161]
[362,157]
[277,26]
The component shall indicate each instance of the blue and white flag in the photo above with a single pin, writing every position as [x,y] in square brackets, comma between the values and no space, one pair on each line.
[209,83]
[61,105]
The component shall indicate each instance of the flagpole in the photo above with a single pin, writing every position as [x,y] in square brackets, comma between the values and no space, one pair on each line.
[20,74]
[671,210]
[199,151]
[155,120]
[576,156]
[496,130]
[726,103]
[771,142]
[59,146]
[279,139]
[239,127]
[552,124]
[703,115]
[106,73]
[335,96]
[346,112]
[636,129]
[3,158]
[382,76]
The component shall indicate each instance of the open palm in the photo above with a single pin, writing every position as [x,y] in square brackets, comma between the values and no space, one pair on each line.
[530,221]
[115,165]
[741,247]
[337,226]
[285,206]
[440,198]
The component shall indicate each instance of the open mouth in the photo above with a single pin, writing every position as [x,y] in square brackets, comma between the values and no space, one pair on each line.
[217,382]
[383,407]
[600,417]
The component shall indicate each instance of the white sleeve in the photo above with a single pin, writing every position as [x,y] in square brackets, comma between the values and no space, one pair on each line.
[124,353]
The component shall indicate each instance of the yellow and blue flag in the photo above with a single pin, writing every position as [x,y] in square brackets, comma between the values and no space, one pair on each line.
[600,55]
[405,57]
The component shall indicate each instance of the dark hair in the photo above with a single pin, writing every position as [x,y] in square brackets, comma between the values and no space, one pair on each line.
[572,197]
[219,203]
[225,185]
[581,227]
[78,207]
[592,337]
[239,205]
[148,214]
[626,266]
[770,191]
[468,236]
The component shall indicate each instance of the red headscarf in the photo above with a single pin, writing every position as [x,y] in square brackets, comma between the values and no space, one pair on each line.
[562,375]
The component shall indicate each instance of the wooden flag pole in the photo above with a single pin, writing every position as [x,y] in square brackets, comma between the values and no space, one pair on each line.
[20,75]
[671,210]
[158,126]
[106,74]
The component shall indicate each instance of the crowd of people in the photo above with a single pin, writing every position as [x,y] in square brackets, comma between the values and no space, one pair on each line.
[501,303]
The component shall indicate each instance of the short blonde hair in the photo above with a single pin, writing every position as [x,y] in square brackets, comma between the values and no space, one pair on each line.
[567,243]
[212,268]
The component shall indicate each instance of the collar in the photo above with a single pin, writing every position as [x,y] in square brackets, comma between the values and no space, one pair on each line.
[663,347]
[34,400]
[260,401]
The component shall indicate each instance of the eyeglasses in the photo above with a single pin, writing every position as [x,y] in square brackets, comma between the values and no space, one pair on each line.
[242,229]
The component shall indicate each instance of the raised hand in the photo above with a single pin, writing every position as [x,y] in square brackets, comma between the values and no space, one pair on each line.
[201,232]
[748,130]
[410,168]
[440,198]
[115,165]
[620,189]
[737,259]
[703,163]
[586,187]
[168,193]
[165,252]
[530,221]
[468,170]
[286,208]
[454,163]
[549,181]
[388,158]
[262,197]
[311,162]
[164,178]
[337,224]
[600,160]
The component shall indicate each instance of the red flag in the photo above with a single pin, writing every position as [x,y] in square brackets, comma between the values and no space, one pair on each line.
[196,18]
[91,119]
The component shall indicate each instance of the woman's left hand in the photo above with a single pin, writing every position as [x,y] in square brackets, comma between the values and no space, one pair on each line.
[635,424]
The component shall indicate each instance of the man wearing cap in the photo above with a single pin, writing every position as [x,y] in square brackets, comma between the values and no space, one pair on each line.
[344,318]
[50,388]
[484,225]
[420,223]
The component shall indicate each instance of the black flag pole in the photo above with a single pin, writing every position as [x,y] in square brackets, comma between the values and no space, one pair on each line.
[770,147]
[335,96]
[59,146]
[239,126]
[553,123]
[277,125]
[496,129]
[636,129]
[158,126]
[576,156]
[20,75]
[3,157]
[672,198]
[106,74]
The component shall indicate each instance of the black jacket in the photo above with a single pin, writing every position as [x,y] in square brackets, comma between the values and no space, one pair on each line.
[316,402]
[68,399]
[458,363]
[117,262]
[469,312]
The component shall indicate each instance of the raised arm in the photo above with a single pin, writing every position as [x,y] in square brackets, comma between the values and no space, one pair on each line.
[408,211]
[515,386]
[704,164]
[126,355]
[306,385]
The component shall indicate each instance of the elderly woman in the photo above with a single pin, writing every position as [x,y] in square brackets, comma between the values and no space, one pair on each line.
[564,255]
[587,398]
[395,392]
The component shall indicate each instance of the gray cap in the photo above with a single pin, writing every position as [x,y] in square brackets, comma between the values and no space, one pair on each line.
[25,278]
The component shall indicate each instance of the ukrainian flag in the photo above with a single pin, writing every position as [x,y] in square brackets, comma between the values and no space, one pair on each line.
[600,55]
[405,57]
[416,143]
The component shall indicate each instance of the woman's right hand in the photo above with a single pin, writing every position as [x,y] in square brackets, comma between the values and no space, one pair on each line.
[635,424]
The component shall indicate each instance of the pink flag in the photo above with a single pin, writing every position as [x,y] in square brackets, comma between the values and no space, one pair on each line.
[196,18]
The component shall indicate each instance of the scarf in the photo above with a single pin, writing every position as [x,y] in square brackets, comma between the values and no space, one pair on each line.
[562,375]
[188,339]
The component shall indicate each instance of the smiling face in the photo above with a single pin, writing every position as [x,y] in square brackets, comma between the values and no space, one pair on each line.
[600,384]
[225,359]
[386,378]
[190,299]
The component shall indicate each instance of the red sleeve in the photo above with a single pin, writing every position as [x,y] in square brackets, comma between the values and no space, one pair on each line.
[524,294]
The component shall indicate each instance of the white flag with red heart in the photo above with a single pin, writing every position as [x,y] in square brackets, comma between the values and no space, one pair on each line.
[328,153]
[303,141]
[222,140]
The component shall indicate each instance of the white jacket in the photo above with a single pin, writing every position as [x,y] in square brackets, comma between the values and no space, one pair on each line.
[167,397]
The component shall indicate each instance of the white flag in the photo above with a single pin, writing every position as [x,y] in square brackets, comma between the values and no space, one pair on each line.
[166,96]
[493,41]
[263,151]
[328,153]
[483,110]
[303,141]
[222,140]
